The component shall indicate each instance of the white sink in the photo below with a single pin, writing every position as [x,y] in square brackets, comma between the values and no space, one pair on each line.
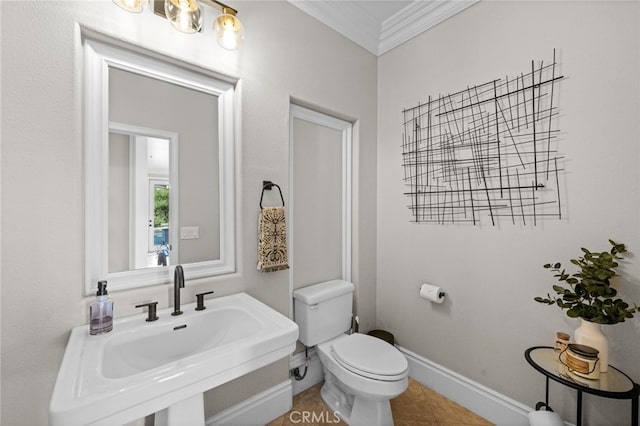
[146,367]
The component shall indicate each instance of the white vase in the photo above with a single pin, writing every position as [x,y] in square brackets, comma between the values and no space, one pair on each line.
[590,334]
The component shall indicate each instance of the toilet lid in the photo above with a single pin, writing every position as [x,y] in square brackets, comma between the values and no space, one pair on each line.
[370,357]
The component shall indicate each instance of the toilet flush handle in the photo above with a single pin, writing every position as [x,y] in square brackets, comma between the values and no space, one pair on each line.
[313,307]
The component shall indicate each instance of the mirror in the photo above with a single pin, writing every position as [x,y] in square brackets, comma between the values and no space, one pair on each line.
[158,169]
[143,194]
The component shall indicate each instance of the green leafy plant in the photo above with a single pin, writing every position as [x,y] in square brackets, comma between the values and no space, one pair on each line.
[588,293]
[161,202]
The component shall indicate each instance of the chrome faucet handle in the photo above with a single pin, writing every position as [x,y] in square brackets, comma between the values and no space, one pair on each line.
[200,301]
[152,310]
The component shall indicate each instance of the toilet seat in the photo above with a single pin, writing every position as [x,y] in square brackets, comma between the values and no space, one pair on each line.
[370,357]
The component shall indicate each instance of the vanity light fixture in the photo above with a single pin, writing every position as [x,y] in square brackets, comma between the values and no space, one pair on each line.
[186,16]
[134,6]
[228,28]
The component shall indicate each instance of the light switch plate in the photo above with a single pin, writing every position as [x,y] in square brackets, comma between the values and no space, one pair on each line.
[189,232]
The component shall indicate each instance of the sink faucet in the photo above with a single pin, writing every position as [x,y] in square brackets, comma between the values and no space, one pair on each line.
[178,283]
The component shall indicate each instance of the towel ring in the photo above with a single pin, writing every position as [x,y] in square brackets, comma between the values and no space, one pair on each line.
[268,185]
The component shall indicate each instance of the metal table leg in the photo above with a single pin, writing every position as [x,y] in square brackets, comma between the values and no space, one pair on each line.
[546,393]
[634,409]
[579,413]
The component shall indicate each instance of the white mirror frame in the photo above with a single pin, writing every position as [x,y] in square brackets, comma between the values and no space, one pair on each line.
[98,57]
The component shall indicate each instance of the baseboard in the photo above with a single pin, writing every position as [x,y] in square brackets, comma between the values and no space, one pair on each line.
[489,404]
[277,400]
[493,406]
[257,410]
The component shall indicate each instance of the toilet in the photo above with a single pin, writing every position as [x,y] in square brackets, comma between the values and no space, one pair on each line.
[361,372]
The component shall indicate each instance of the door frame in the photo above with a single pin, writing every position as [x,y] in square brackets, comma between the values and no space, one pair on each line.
[346,129]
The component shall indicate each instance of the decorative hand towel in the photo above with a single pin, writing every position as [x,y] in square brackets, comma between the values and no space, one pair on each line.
[272,243]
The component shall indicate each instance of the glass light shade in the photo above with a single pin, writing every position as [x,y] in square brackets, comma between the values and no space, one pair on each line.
[134,6]
[229,31]
[184,15]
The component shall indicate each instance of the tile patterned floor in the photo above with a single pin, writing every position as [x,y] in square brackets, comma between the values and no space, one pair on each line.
[417,406]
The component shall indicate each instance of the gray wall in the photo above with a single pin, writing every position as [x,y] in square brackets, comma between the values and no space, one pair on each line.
[492,274]
[317,225]
[119,205]
[42,201]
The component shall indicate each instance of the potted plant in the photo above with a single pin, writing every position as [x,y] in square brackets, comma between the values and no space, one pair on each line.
[588,295]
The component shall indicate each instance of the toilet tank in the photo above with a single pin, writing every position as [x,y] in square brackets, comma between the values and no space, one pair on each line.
[323,311]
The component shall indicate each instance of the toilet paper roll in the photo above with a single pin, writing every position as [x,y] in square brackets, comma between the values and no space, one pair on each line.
[432,293]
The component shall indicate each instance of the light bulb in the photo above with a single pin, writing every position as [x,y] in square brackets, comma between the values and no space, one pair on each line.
[134,6]
[229,30]
[184,15]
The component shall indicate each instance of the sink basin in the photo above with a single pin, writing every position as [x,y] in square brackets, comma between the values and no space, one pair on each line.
[141,348]
[146,367]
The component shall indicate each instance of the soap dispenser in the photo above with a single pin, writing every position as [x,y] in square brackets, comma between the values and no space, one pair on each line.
[101,311]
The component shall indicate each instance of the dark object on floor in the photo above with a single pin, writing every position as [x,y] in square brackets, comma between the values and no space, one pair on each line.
[384,335]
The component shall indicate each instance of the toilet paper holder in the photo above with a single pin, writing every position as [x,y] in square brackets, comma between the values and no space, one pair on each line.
[432,293]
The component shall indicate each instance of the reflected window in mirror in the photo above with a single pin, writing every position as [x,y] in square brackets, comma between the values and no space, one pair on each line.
[158,169]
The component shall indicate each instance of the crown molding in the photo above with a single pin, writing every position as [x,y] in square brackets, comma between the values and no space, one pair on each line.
[415,19]
[346,17]
[351,19]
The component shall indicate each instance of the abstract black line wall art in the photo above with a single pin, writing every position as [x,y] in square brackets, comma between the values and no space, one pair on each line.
[487,153]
